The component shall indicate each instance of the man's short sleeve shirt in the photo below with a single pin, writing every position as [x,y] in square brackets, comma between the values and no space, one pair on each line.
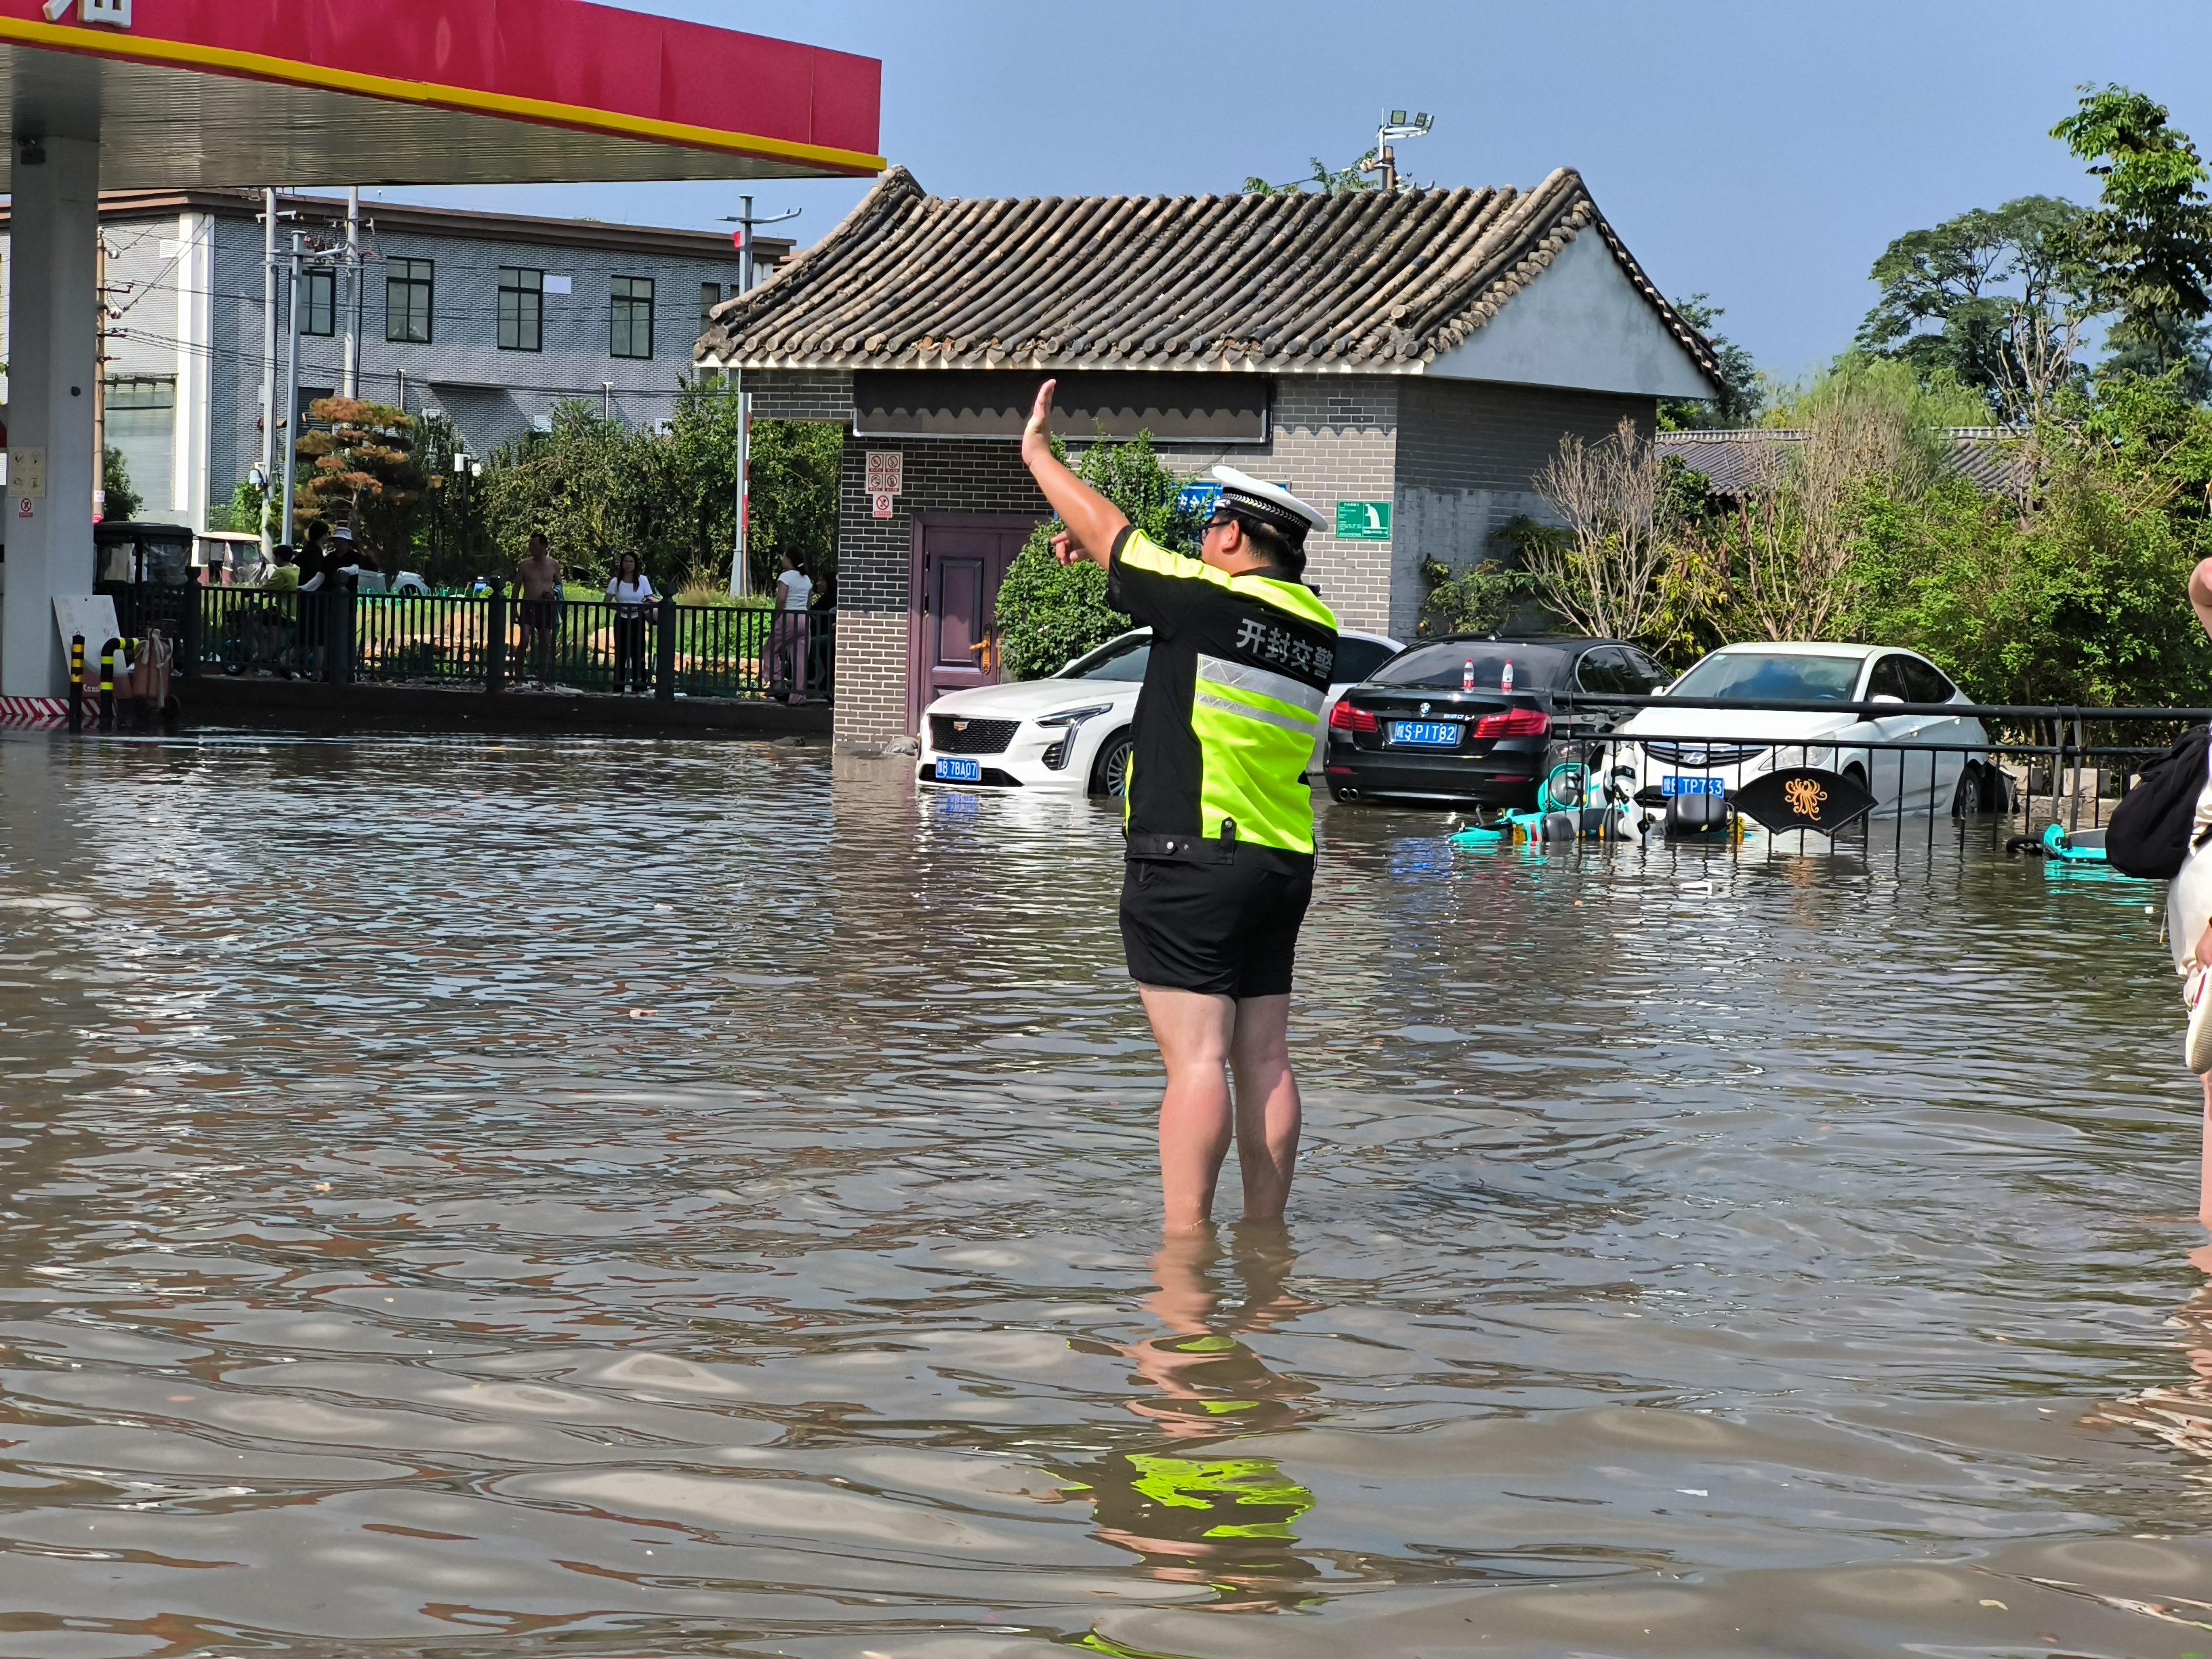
[1225,725]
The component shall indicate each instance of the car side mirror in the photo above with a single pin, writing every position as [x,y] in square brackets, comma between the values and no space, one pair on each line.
[1884,696]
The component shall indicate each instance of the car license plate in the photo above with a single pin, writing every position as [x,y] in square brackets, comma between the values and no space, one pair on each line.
[1427,734]
[1673,785]
[953,770]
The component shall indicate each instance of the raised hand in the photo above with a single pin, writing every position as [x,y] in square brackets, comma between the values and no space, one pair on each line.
[1040,421]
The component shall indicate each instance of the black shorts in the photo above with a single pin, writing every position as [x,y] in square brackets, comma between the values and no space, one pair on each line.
[1228,929]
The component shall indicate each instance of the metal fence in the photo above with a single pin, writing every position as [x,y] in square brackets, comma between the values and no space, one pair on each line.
[2039,765]
[492,641]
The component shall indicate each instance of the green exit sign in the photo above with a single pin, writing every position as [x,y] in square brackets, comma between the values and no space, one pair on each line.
[1363,521]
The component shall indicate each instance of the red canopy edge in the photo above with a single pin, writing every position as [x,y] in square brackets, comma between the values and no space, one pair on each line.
[557,63]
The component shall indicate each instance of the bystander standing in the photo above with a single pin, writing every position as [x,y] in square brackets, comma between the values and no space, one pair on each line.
[629,592]
[787,637]
[538,588]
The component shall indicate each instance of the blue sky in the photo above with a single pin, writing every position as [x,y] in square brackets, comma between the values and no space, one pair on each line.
[1764,154]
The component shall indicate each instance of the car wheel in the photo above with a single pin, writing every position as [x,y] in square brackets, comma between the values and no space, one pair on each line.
[1110,773]
[1971,796]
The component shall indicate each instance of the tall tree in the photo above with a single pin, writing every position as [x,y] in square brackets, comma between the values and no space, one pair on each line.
[1742,394]
[1998,299]
[2150,236]
[363,474]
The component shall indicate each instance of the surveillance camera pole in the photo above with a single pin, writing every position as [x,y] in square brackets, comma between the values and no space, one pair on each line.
[741,579]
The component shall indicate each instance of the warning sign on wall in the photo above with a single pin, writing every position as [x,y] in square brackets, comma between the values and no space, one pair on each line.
[886,475]
[882,498]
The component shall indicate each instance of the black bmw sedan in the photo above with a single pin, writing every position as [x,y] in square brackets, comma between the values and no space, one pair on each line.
[1475,721]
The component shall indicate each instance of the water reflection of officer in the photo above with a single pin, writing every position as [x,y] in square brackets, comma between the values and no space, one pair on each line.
[1191,1508]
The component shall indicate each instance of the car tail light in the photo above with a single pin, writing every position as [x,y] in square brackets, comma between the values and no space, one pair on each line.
[1514,723]
[1346,718]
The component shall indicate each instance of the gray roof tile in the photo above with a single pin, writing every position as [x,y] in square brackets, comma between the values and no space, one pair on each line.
[1289,283]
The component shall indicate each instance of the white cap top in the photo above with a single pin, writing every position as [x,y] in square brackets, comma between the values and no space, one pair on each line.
[1270,502]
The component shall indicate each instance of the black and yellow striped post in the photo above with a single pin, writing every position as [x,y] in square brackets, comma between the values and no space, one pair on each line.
[107,681]
[76,682]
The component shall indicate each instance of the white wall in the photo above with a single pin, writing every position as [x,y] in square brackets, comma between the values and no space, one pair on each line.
[1580,325]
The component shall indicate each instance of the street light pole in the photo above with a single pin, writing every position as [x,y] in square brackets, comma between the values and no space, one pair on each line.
[741,575]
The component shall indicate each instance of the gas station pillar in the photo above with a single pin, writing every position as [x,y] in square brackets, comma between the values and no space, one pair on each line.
[52,359]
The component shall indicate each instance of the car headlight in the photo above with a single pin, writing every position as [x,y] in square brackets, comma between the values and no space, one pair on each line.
[1072,718]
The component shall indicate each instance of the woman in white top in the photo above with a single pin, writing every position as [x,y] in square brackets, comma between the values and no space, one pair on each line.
[787,640]
[629,592]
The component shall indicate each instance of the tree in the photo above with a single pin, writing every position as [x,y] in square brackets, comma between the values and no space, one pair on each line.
[1343,181]
[1049,613]
[599,490]
[2072,594]
[121,501]
[364,475]
[2150,239]
[1869,429]
[1741,391]
[1998,300]
[1604,573]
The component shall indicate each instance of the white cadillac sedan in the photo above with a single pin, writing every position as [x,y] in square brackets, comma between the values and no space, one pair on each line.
[1685,760]
[1070,730]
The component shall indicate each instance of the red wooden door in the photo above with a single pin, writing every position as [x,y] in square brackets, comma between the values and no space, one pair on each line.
[958,563]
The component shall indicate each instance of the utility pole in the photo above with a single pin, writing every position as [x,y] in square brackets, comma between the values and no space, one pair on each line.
[741,575]
[99,380]
[268,346]
[292,400]
[350,379]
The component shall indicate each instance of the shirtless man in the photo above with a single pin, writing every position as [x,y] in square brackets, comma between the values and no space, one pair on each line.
[538,581]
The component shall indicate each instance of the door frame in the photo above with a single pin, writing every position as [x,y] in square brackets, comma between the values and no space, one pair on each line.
[917,586]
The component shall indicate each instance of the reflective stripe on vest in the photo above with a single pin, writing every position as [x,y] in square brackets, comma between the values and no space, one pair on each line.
[1255,730]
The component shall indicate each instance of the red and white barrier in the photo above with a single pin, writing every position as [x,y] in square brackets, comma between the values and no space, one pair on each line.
[33,711]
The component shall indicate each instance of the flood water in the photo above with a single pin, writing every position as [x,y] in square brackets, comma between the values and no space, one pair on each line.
[469,1198]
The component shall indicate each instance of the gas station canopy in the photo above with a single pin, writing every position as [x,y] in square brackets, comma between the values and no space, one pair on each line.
[182,93]
[125,95]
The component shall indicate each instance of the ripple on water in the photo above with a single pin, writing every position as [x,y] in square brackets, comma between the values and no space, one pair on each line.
[638,1197]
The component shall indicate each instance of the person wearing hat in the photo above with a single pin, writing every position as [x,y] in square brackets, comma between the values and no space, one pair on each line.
[1216,809]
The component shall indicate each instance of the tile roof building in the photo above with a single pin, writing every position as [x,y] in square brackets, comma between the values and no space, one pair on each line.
[1415,356]
[1731,459]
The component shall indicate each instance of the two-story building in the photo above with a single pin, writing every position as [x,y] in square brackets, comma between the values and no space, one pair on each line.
[491,318]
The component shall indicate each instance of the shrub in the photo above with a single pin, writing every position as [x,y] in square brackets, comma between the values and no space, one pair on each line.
[1049,613]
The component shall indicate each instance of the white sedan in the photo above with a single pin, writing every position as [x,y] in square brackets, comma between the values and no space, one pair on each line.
[1660,749]
[1070,730]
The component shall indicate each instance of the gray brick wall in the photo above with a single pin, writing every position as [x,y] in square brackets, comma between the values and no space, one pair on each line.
[797,395]
[1469,455]
[875,561]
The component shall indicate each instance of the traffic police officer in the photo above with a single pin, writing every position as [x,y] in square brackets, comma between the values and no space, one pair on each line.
[1217,810]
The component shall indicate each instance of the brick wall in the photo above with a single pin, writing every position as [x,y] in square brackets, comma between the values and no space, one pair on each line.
[1469,455]
[1332,439]
[796,395]
[875,562]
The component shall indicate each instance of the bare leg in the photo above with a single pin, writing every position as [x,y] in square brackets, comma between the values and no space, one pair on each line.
[2204,1179]
[1267,1109]
[1193,1030]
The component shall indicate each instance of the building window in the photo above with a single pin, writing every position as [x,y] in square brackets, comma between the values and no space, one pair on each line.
[407,288]
[629,318]
[142,422]
[710,296]
[521,309]
[319,308]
